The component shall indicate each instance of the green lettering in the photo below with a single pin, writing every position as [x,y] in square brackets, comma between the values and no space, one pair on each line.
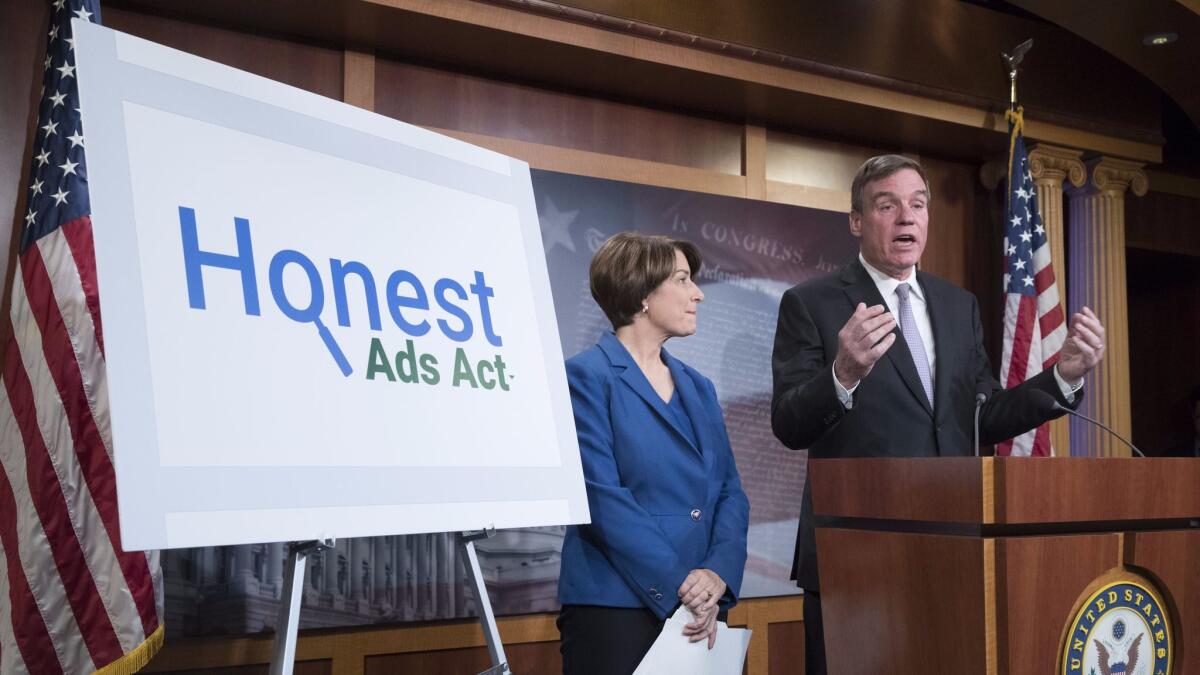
[378,362]
[463,370]
[406,363]
[500,365]
[429,365]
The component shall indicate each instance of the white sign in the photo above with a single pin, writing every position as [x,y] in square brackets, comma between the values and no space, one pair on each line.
[318,322]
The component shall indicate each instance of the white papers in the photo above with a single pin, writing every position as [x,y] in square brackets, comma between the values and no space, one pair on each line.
[671,653]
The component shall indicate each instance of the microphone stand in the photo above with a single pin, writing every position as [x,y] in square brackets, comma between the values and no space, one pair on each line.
[980,398]
[1060,407]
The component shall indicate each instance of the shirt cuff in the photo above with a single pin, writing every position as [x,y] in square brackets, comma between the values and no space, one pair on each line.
[1067,390]
[846,396]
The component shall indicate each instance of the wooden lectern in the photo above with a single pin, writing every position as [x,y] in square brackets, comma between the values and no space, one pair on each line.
[977,565]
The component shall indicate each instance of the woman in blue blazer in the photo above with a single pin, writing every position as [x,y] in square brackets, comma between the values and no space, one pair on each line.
[669,516]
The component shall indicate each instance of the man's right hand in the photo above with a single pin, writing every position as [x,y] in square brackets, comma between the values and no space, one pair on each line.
[864,338]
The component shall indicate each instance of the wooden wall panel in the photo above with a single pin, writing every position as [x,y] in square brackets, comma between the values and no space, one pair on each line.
[322,667]
[460,102]
[1164,331]
[785,648]
[527,659]
[840,34]
[1163,222]
[1162,240]
[813,162]
[315,68]
[955,238]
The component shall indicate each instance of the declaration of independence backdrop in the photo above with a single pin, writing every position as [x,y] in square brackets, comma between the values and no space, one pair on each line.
[753,251]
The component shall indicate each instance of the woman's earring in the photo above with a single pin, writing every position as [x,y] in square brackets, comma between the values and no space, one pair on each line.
[645,308]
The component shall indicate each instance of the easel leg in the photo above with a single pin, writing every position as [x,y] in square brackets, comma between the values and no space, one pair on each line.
[487,619]
[283,657]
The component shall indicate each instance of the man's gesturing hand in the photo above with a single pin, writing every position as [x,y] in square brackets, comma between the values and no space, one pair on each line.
[1083,348]
[864,338]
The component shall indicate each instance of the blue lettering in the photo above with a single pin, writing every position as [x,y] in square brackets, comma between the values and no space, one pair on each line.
[483,292]
[339,271]
[317,299]
[194,258]
[316,302]
[417,301]
[439,292]
[450,295]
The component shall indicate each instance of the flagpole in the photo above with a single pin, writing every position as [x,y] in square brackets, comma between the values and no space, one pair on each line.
[1012,64]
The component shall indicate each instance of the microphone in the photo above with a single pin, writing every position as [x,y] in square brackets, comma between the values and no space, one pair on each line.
[980,398]
[1047,404]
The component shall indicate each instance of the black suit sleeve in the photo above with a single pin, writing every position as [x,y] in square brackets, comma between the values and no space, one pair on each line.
[805,404]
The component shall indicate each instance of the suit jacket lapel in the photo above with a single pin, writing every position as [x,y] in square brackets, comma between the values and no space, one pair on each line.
[685,389]
[636,380]
[861,288]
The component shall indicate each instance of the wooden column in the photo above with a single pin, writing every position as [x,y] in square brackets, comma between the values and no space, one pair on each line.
[1096,241]
[1050,165]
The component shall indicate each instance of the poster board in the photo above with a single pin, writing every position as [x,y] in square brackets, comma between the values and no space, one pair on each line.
[318,322]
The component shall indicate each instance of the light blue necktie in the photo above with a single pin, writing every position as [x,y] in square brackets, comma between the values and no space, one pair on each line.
[908,326]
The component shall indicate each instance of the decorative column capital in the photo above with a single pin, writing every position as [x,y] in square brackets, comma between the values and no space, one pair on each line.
[1051,163]
[1114,176]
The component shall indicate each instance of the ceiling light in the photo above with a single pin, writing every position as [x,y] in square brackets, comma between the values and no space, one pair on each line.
[1158,39]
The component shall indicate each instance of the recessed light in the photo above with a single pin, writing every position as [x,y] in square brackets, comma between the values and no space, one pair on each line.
[1159,39]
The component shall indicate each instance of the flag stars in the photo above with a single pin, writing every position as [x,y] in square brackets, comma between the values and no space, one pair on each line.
[44,158]
[1012,249]
[30,218]
[70,42]
[57,99]
[47,66]
[1028,280]
[1026,236]
[66,69]
[1020,264]
[1022,194]
[58,4]
[60,197]
[36,188]
[1016,221]
[50,127]
[82,13]
[53,34]
[68,167]
[1007,279]
[76,139]
[1039,229]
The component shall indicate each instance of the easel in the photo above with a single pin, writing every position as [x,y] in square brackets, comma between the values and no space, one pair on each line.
[283,656]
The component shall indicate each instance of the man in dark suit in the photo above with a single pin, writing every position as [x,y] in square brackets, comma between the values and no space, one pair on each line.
[880,360]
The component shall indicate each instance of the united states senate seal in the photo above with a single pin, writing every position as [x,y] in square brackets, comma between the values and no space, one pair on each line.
[1122,629]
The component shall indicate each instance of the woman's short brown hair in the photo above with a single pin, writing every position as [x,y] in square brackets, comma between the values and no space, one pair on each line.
[629,266]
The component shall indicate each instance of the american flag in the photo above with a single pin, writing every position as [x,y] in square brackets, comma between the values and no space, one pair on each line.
[71,601]
[1034,326]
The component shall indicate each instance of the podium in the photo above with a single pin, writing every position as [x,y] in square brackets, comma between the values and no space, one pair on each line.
[981,565]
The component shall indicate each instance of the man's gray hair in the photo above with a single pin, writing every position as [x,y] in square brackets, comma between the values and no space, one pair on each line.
[879,167]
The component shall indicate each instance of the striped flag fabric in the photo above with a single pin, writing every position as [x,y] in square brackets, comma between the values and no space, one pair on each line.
[1034,324]
[71,600]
